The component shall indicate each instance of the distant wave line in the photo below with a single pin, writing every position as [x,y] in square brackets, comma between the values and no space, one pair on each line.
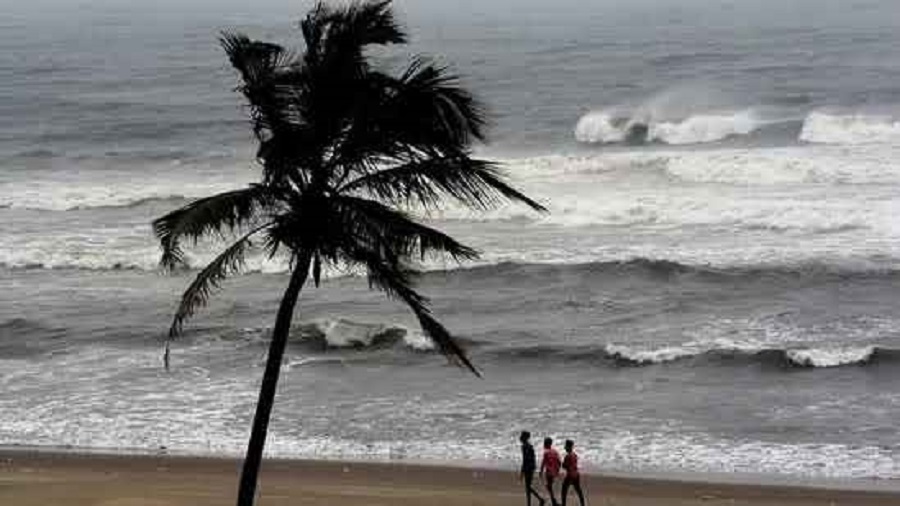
[616,355]
[661,269]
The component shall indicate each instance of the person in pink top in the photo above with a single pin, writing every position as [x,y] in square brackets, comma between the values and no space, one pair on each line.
[550,464]
[573,478]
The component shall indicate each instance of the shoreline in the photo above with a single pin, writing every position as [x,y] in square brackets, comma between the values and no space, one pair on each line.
[164,478]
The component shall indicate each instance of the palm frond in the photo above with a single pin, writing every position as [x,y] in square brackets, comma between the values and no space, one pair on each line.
[392,232]
[365,23]
[330,31]
[336,38]
[447,344]
[337,69]
[444,106]
[475,183]
[396,281]
[271,78]
[209,278]
[425,112]
[208,215]
[255,60]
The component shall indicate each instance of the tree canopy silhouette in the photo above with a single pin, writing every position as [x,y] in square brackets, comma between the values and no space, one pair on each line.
[347,151]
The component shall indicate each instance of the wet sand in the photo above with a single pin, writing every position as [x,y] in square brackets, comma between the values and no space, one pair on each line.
[41,478]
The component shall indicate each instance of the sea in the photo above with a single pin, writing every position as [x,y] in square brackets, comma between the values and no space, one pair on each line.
[715,288]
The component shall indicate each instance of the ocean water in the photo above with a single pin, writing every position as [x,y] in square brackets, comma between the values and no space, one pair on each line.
[716,287]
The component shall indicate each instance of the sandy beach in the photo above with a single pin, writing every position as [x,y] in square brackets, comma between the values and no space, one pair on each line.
[30,478]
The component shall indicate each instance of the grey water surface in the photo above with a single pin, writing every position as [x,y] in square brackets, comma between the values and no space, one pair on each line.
[720,293]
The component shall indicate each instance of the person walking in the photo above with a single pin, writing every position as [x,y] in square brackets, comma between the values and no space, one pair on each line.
[550,464]
[573,478]
[529,466]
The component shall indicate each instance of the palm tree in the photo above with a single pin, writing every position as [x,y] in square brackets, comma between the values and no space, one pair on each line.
[347,152]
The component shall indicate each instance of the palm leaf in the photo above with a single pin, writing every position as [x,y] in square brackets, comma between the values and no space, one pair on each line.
[396,282]
[362,24]
[391,231]
[445,108]
[215,214]
[475,183]
[209,278]
[271,77]
[426,112]
[256,61]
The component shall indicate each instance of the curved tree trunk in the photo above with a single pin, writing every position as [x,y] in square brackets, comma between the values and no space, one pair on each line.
[250,472]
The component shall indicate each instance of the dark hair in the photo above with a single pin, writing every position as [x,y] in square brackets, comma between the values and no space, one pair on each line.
[570,444]
[548,442]
[524,436]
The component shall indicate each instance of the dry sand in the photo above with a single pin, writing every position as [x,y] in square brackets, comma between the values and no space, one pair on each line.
[30,478]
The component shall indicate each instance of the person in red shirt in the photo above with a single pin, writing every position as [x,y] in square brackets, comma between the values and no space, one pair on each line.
[550,464]
[572,479]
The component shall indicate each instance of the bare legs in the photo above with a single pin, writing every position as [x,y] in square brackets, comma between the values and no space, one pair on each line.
[574,483]
[548,481]
[530,491]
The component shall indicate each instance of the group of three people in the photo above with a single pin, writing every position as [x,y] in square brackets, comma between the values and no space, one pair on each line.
[550,470]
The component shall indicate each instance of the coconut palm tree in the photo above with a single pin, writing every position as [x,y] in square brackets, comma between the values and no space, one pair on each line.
[349,154]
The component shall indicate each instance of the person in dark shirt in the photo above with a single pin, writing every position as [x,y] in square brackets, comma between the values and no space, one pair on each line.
[529,466]
[573,478]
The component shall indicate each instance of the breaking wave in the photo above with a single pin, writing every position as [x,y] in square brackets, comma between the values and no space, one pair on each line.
[612,126]
[605,127]
[344,334]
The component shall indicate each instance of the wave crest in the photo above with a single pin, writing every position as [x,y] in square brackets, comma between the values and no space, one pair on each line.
[719,353]
[786,357]
[604,127]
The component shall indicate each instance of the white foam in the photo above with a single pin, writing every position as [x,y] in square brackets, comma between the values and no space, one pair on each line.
[686,449]
[600,127]
[639,190]
[830,357]
[850,129]
[779,166]
[417,340]
[652,356]
[703,128]
[83,189]
[106,252]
